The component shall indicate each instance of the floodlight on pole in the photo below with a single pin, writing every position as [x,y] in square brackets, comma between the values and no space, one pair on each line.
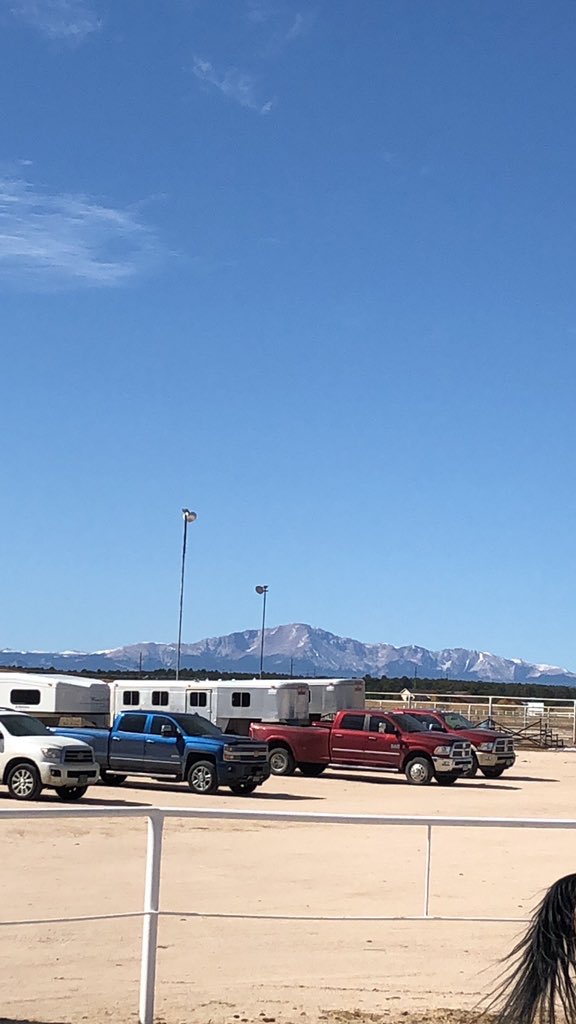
[187,517]
[263,591]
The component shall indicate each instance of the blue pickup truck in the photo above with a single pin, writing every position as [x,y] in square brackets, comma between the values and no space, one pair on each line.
[182,748]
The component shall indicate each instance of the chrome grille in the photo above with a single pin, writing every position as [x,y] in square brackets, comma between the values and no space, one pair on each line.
[505,745]
[243,752]
[76,755]
[461,749]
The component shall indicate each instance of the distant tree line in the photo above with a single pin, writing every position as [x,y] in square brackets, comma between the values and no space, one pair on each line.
[442,686]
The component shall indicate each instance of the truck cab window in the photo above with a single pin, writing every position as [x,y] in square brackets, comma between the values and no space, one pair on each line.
[158,722]
[378,724]
[133,723]
[355,722]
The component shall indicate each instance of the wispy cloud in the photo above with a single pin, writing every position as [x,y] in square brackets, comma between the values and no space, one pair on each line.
[58,239]
[282,23]
[70,20]
[234,84]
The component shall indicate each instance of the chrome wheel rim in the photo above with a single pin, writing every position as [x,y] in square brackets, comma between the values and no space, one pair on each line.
[201,779]
[278,762]
[418,773]
[23,782]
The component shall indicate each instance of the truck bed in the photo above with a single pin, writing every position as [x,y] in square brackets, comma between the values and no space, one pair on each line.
[310,743]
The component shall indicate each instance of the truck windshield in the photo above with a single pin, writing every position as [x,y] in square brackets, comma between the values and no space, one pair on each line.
[454,720]
[407,723]
[23,725]
[195,725]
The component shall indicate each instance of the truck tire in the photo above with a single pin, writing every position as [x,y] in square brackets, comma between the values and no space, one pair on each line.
[419,771]
[446,779]
[111,780]
[311,770]
[202,778]
[70,793]
[24,781]
[243,788]
[474,769]
[282,761]
[494,772]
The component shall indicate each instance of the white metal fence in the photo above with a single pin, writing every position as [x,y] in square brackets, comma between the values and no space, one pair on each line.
[156,817]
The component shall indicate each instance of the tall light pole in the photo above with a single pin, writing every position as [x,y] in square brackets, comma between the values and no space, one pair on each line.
[263,591]
[187,517]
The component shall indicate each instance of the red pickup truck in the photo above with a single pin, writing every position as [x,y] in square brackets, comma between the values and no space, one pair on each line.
[492,752]
[391,741]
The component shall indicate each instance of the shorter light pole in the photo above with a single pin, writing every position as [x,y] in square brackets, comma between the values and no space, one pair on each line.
[187,517]
[263,591]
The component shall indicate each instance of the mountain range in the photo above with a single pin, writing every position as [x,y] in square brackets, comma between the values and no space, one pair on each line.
[303,651]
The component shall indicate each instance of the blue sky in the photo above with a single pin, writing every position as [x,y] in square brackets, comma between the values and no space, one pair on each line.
[306,268]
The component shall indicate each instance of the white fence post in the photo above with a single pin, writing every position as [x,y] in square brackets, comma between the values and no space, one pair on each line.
[150,923]
[428,866]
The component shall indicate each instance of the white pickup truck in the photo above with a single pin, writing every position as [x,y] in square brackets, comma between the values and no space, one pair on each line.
[32,757]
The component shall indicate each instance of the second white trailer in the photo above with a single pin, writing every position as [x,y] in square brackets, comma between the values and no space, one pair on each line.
[231,705]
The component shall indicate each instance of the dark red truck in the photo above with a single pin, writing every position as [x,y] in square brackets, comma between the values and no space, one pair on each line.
[390,741]
[492,751]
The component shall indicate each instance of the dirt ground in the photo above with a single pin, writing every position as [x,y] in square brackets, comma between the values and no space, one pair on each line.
[226,970]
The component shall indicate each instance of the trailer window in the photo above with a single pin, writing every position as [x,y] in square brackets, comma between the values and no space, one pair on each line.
[131,698]
[25,697]
[198,700]
[133,723]
[240,700]
[355,722]
[160,698]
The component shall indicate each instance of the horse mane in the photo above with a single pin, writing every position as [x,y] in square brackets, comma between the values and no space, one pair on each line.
[540,978]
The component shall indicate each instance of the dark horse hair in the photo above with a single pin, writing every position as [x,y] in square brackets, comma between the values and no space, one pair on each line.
[540,980]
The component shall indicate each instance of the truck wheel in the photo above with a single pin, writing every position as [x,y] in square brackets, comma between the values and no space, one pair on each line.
[202,777]
[474,769]
[493,773]
[282,761]
[111,780]
[446,779]
[419,771]
[312,770]
[243,788]
[24,782]
[70,793]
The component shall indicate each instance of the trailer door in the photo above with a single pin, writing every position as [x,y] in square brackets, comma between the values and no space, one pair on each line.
[200,702]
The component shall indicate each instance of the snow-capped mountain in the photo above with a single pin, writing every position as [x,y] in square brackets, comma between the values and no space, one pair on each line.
[303,650]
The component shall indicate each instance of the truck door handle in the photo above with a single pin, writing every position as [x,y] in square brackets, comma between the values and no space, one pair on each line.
[116,739]
[372,739]
[150,741]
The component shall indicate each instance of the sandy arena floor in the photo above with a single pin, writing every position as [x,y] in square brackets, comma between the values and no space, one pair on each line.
[229,971]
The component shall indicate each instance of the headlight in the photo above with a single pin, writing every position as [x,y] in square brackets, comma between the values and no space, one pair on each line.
[230,754]
[442,751]
[486,746]
[52,753]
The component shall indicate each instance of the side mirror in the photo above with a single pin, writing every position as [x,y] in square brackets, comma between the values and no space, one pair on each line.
[431,727]
[168,730]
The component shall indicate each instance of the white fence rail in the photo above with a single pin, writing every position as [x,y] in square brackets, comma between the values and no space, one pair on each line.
[156,817]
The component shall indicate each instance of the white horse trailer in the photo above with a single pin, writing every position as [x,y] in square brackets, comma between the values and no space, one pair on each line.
[327,696]
[52,697]
[231,705]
